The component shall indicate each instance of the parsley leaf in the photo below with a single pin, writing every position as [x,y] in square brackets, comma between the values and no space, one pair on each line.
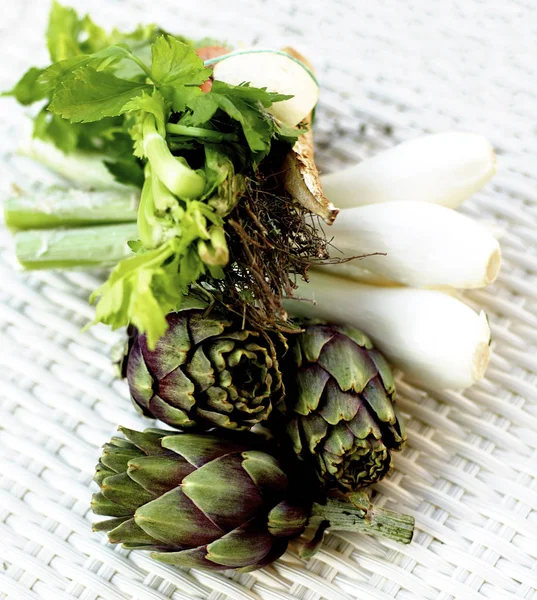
[177,71]
[91,95]
[241,103]
[176,63]
[62,33]
[28,89]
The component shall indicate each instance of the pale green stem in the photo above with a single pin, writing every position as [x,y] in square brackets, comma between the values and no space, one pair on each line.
[178,177]
[56,207]
[209,134]
[379,522]
[101,246]
[84,169]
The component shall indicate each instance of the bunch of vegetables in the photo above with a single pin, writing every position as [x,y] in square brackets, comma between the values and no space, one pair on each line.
[189,169]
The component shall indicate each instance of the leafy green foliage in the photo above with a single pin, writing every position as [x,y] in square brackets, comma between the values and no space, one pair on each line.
[117,94]
[64,27]
[91,95]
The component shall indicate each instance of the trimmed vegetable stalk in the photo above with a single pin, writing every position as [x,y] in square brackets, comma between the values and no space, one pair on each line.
[101,246]
[437,340]
[445,168]
[276,71]
[85,170]
[57,207]
[422,245]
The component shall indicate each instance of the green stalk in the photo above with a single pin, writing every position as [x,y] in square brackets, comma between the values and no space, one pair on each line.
[102,246]
[208,134]
[84,169]
[342,516]
[177,176]
[57,207]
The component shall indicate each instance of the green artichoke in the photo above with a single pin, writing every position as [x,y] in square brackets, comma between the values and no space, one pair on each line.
[198,500]
[205,371]
[339,410]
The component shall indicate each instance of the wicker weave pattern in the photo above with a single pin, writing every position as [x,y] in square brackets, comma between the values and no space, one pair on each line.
[390,70]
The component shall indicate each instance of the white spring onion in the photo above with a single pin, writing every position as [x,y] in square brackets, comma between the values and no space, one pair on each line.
[276,71]
[424,245]
[437,340]
[444,168]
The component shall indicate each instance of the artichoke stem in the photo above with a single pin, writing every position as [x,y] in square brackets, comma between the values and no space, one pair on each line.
[380,522]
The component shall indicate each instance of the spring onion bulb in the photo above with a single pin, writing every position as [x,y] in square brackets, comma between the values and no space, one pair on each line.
[353,269]
[423,245]
[437,340]
[276,71]
[444,168]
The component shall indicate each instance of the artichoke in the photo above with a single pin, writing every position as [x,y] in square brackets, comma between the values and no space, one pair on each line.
[205,371]
[339,410]
[198,500]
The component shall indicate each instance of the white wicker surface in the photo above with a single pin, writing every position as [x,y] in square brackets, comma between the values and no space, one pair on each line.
[390,70]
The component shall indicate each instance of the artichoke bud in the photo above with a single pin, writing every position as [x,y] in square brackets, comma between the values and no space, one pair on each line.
[339,411]
[200,501]
[207,370]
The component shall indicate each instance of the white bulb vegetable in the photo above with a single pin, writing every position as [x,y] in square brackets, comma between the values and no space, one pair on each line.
[444,168]
[423,245]
[276,71]
[437,340]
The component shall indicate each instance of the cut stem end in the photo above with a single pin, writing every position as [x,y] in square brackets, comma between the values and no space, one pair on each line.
[380,522]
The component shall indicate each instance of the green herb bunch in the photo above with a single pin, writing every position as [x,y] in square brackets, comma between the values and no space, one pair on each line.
[136,99]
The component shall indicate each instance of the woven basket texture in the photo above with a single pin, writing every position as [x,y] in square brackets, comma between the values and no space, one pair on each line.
[390,70]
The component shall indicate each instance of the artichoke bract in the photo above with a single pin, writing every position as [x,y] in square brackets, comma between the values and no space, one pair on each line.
[215,502]
[339,410]
[205,371]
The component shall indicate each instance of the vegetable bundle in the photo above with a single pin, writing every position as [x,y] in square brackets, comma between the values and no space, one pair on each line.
[188,169]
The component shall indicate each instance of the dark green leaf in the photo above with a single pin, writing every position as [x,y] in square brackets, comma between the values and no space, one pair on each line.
[128,171]
[91,95]
[243,104]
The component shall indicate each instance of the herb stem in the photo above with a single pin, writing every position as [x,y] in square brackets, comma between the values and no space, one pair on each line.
[176,175]
[209,134]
